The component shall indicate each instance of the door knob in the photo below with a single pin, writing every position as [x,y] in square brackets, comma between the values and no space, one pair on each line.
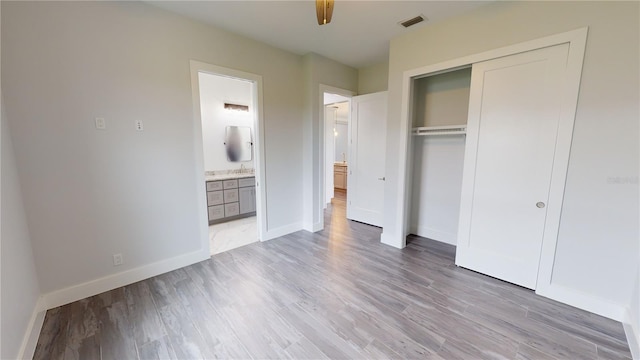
[382,178]
[540,204]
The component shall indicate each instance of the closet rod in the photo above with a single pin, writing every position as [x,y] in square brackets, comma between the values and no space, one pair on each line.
[439,130]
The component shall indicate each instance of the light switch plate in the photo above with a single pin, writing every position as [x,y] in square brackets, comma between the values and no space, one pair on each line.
[139,125]
[101,124]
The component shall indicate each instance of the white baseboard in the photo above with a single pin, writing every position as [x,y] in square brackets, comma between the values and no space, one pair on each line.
[392,241]
[97,286]
[433,234]
[282,231]
[30,339]
[312,227]
[633,336]
[317,227]
[582,301]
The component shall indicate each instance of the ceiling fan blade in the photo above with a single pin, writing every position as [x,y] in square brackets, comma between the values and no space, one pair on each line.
[324,10]
[320,11]
[329,10]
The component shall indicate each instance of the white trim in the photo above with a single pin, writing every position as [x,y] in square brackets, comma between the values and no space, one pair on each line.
[283,230]
[261,184]
[387,240]
[314,227]
[110,282]
[433,234]
[95,287]
[632,334]
[319,196]
[30,339]
[577,40]
[583,301]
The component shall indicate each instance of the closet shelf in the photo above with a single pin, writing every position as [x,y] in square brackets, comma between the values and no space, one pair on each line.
[439,130]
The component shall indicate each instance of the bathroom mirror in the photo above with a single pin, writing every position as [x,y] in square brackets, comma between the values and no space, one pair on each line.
[238,143]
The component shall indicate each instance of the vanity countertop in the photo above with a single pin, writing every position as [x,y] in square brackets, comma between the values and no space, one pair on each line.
[217,177]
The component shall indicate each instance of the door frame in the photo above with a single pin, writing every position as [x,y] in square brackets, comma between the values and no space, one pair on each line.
[320,196]
[577,43]
[197,67]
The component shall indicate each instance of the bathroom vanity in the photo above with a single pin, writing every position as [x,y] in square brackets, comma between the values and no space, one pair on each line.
[230,196]
[340,175]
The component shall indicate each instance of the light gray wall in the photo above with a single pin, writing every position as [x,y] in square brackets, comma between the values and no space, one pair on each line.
[342,127]
[341,151]
[372,79]
[318,70]
[438,160]
[598,240]
[89,194]
[442,99]
[19,284]
[436,186]
[214,92]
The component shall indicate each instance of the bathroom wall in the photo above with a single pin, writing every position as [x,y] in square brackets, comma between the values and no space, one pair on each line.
[341,131]
[215,91]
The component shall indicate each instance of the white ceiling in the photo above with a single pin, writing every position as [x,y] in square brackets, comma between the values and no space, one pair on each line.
[358,34]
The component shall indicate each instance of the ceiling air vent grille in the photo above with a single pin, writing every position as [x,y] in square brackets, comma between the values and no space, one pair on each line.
[410,22]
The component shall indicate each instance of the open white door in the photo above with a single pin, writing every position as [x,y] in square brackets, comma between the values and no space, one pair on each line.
[514,112]
[365,181]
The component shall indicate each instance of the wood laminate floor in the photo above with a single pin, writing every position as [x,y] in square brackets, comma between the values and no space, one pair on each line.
[335,294]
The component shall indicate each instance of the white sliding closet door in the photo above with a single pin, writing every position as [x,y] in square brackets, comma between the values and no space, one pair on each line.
[365,181]
[512,128]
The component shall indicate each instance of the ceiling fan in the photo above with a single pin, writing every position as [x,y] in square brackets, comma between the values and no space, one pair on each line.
[324,10]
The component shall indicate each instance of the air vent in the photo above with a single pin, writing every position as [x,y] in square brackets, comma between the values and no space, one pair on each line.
[410,22]
[236,107]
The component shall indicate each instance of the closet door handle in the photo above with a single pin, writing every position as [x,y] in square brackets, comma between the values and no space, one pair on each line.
[382,178]
[540,204]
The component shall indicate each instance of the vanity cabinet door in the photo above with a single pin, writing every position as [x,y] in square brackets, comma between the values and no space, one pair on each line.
[247,199]
[245,182]
[214,185]
[230,195]
[230,184]
[340,180]
[231,209]
[214,198]
[216,212]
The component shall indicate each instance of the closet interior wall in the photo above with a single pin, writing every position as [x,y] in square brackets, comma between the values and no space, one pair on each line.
[438,100]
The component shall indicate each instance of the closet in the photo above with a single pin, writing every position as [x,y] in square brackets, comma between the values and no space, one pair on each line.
[515,110]
[489,153]
[440,109]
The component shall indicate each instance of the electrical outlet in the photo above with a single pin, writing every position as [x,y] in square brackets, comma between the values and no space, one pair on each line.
[139,125]
[117,259]
[101,124]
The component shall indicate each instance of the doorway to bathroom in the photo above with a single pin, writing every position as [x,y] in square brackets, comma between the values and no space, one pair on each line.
[227,104]
[336,112]
[336,115]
